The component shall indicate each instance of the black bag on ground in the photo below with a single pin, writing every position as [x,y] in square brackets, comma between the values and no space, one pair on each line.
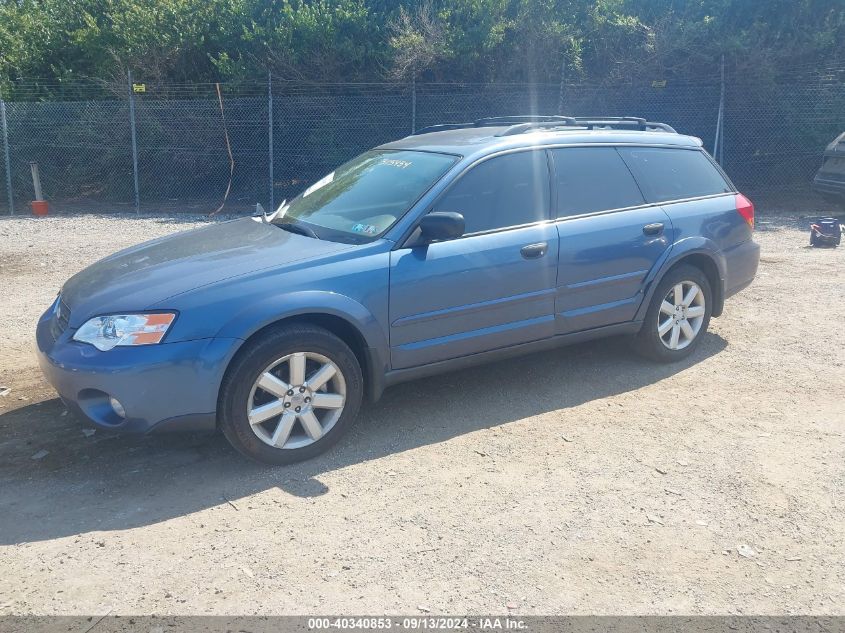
[825,232]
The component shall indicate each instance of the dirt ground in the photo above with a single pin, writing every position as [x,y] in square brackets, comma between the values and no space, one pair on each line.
[582,480]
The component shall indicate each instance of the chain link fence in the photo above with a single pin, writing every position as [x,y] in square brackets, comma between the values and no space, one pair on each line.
[195,147]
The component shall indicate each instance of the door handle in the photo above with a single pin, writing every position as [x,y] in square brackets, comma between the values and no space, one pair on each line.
[533,251]
[653,229]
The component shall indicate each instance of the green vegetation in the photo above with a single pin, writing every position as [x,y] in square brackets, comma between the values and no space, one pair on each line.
[433,40]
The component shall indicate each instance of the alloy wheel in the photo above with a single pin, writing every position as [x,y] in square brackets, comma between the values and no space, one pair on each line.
[681,315]
[296,400]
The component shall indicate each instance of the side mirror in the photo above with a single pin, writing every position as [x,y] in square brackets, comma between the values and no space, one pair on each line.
[439,226]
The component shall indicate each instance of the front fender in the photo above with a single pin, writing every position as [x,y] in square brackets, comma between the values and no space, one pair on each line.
[694,245]
[257,316]
[252,318]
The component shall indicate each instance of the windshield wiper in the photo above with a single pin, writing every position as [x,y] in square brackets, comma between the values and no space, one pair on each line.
[298,228]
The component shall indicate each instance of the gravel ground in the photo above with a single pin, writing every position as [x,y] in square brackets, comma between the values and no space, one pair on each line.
[582,480]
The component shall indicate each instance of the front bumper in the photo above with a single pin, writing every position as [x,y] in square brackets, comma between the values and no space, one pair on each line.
[169,386]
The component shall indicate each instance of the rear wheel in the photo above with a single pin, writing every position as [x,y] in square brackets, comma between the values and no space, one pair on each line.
[677,317]
[290,394]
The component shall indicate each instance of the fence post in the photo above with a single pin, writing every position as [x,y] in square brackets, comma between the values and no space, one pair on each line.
[270,137]
[562,85]
[413,102]
[718,151]
[134,142]
[722,127]
[8,161]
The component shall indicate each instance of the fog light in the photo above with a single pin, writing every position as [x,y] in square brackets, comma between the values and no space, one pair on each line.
[118,408]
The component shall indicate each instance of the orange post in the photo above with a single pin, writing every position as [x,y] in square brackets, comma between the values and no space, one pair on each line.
[39,205]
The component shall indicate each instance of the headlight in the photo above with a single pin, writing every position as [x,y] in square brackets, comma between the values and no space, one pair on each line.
[106,332]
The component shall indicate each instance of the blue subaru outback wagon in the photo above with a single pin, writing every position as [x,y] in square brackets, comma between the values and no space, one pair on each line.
[454,246]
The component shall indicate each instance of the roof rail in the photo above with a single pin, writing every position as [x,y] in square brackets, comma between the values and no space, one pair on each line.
[441,127]
[592,123]
[623,122]
[526,118]
[520,124]
[497,121]
[622,119]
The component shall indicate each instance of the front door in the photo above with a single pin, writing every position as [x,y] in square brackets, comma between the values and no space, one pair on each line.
[493,287]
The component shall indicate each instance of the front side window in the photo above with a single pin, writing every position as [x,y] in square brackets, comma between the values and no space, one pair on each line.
[500,192]
[363,198]
[592,179]
[673,174]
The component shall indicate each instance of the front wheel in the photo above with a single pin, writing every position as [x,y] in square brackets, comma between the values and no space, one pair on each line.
[677,317]
[290,394]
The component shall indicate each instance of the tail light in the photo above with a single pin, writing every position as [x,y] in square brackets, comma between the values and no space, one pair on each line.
[745,208]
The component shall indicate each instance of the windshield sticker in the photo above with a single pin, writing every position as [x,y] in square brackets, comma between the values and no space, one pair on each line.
[369,229]
[318,185]
[395,162]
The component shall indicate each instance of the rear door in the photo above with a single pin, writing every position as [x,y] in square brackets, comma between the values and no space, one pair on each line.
[691,190]
[609,238]
[491,288]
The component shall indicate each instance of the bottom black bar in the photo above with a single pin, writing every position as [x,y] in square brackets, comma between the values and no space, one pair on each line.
[426,622]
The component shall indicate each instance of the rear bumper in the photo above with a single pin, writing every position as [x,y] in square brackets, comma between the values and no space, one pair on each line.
[172,386]
[741,262]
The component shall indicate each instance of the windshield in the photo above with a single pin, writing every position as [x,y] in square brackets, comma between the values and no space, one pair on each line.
[363,198]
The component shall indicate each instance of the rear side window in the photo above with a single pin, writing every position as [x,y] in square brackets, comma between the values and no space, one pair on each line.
[592,179]
[672,174]
[500,192]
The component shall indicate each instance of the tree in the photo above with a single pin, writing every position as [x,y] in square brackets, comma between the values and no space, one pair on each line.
[445,40]
[418,41]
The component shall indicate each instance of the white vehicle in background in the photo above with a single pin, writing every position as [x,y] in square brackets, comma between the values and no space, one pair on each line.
[830,178]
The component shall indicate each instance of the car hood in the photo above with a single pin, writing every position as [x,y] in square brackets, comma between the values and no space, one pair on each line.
[147,274]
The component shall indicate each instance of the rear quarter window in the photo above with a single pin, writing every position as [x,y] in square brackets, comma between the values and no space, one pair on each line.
[673,174]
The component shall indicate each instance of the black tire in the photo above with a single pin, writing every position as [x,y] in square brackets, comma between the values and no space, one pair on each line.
[251,362]
[648,342]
